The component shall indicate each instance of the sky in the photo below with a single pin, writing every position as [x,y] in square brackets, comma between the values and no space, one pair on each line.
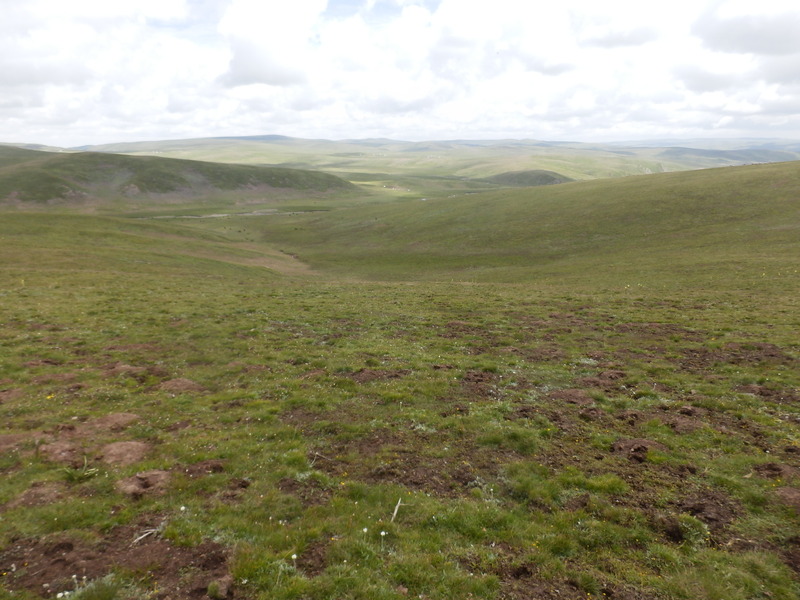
[93,71]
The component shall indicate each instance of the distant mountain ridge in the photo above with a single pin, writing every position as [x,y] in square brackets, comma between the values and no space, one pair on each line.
[473,159]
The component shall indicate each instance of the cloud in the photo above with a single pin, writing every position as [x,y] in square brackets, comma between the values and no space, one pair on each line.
[622,39]
[251,63]
[91,70]
[270,42]
[698,79]
[772,34]
[784,70]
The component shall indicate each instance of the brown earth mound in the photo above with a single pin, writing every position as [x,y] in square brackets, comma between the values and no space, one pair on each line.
[572,396]
[39,494]
[789,496]
[124,453]
[147,482]
[637,449]
[60,452]
[8,395]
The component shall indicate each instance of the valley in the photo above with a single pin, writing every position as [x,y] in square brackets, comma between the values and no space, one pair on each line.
[450,387]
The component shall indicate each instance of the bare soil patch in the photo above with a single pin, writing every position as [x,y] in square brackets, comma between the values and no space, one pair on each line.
[8,395]
[113,422]
[205,467]
[637,449]
[367,375]
[773,394]
[124,453]
[773,470]
[181,386]
[703,359]
[10,441]
[789,496]
[179,573]
[61,452]
[309,492]
[572,396]
[715,508]
[151,482]
[314,558]
[122,369]
[39,494]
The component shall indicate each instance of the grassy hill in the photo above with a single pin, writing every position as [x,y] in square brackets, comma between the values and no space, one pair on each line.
[529,178]
[472,159]
[28,176]
[735,226]
[579,391]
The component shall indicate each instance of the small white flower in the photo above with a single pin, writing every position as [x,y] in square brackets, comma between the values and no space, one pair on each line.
[383,533]
[294,556]
[183,508]
[364,530]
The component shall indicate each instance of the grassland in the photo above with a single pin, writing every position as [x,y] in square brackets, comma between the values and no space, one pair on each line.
[587,390]
[471,159]
[29,177]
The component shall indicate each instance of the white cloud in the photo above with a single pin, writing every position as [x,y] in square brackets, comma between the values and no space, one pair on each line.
[94,71]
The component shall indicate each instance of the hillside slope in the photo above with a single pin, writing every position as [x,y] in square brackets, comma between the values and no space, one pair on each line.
[33,177]
[732,222]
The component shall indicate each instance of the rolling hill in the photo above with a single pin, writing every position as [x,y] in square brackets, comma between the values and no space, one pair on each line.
[474,159]
[28,176]
[734,225]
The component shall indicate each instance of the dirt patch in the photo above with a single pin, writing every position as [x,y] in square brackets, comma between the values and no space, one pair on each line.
[523,411]
[122,369]
[772,394]
[132,347]
[773,470]
[572,396]
[388,457]
[124,453]
[547,353]
[61,452]
[712,507]
[591,413]
[152,482]
[458,409]
[789,496]
[681,423]
[205,467]
[702,359]
[367,375]
[479,385]
[114,422]
[791,553]
[608,381]
[658,331]
[181,386]
[40,493]
[179,573]
[42,362]
[9,395]
[637,449]
[314,558]
[309,492]
[11,441]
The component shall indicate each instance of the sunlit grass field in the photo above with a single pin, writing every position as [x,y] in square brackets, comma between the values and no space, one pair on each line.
[587,390]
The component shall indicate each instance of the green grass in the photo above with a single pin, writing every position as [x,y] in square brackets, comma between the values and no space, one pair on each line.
[734,228]
[428,366]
